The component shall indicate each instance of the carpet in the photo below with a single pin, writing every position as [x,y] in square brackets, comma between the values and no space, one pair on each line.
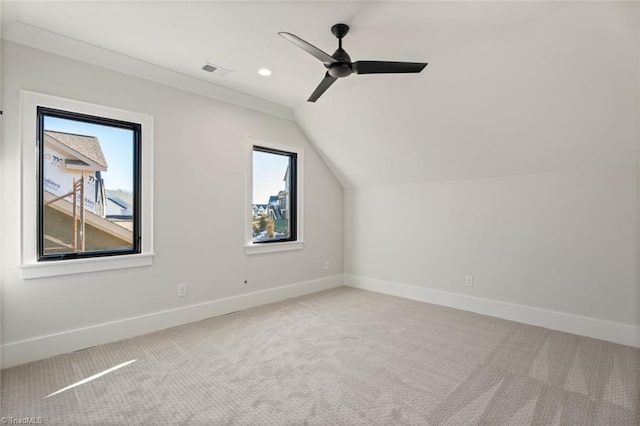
[343,356]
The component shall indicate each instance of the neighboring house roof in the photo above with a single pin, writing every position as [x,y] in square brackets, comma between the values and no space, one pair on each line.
[118,201]
[87,146]
[273,199]
[92,219]
[123,199]
[119,204]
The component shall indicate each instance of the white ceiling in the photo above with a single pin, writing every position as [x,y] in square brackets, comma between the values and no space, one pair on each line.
[242,36]
[511,87]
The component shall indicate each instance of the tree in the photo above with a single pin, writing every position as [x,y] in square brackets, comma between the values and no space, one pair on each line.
[262,223]
[271,229]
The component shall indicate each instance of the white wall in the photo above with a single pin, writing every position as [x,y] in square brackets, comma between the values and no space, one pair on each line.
[563,242]
[536,192]
[1,198]
[199,207]
[638,175]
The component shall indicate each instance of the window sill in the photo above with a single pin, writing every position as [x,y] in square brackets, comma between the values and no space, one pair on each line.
[80,266]
[273,247]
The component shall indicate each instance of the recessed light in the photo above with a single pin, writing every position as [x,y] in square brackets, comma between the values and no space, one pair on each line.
[265,72]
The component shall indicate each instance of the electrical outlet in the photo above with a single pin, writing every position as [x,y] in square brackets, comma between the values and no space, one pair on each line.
[182,290]
[468,280]
[326,265]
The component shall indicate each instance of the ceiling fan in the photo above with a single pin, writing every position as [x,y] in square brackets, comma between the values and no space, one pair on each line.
[339,64]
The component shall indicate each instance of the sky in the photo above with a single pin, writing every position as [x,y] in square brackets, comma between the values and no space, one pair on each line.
[268,175]
[116,143]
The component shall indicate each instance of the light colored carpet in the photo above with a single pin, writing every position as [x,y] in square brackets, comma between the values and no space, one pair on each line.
[342,356]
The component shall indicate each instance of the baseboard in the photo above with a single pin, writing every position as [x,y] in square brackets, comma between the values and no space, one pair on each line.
[591,327]
[25,351]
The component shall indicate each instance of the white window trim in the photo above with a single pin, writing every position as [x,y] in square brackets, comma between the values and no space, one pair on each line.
[250,247]
[31,267]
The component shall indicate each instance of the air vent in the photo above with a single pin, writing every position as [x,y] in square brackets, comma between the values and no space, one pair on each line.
[216,70]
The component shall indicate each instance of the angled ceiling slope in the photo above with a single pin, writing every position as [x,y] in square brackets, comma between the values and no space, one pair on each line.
[511,87]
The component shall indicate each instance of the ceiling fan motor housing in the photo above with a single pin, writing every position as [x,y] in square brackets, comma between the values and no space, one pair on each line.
[342,68]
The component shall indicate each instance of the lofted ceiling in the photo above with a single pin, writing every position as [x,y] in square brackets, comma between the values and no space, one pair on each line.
[511,87]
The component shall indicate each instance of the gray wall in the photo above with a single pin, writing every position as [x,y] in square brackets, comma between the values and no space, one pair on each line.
[563,242]
[535,192]
[199,205]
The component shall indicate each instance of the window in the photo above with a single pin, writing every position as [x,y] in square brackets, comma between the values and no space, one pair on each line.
[88,186]
[274,189]
[274,180]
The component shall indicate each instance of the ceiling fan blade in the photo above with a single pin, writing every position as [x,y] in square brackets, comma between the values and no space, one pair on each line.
[309,48]
[386,67]
[322,87]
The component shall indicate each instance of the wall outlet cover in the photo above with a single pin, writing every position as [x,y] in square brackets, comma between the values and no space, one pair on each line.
[468,280]
[182,290]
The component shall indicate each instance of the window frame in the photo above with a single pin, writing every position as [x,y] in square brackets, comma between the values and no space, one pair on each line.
[295,241]
[43,112]
[31,264]
[293,196]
